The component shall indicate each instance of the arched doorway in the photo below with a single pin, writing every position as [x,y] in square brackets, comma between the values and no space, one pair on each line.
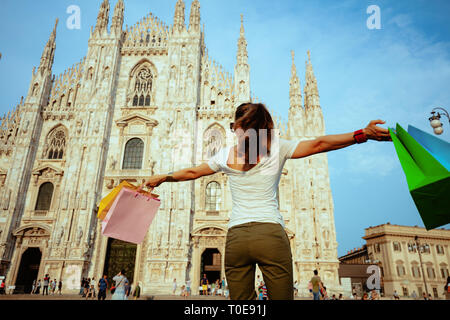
[211,265]
[120,255]
[28,270]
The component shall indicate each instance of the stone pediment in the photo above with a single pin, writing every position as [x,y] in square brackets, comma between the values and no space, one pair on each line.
[47,169]
[209,231]
[35,230]
[47,172]
[125,121]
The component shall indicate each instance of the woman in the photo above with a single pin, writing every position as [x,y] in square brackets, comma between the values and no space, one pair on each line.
[447,289]
[38,287]
[119,293]
[256,228]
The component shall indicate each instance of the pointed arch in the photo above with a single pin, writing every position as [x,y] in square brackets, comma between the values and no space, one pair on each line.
[141,83]
[213,140]
[55,143]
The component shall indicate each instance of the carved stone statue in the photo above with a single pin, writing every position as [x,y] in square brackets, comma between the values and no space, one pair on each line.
[60,235]
[80,235]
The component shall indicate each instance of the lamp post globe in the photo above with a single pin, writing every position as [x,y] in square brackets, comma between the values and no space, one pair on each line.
[435,123]
[438,130]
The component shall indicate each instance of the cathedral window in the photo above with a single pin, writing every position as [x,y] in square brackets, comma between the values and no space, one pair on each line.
[56,144]
[143,88]
[213,196]
[134,152]
[213,141]
[44,198]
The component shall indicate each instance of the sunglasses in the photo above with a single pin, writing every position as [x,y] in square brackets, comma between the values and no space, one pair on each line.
[232,126]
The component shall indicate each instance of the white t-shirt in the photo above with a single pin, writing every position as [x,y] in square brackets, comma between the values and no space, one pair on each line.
[255,192]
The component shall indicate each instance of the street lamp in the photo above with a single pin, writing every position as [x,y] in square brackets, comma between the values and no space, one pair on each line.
[418,247]
[435,120]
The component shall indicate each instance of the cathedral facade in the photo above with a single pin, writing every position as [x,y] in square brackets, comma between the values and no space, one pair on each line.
[146,100]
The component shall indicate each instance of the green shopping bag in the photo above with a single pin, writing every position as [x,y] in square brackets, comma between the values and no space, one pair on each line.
[428,180]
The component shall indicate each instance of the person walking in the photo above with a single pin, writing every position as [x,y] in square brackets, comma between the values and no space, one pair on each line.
[316,285]
[204,284]
[55,285]
[295,289]
[33,287]
[224,284]
[119,292]
[81,287]
[51,286]
[46,283]
[38,287]
[256,234]
[60,287]
[174,286]
[2,287]
[137,292]
[447,289]
[86,287]
[102,286]
[93,284]
[188,288]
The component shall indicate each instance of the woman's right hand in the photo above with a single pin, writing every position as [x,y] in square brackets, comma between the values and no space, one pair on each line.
[373,132]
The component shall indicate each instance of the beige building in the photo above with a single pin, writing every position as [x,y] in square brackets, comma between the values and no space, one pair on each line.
[143,101]
[395,249]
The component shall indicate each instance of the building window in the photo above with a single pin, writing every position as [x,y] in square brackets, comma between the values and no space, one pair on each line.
[143,87]
[377,247]
[401,270]
[425,248]
[415,271]
[411,247]
[420,290]
[439,249]
[431,273]
[213,196]
[213,141]
[405,292]
[397,246]
[444,273]
[44,197]
[56,144]
[435,292]
[134,152]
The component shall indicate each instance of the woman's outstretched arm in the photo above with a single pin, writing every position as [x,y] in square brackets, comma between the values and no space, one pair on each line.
[339,141]
[181,175]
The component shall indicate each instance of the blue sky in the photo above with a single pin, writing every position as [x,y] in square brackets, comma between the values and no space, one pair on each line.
[398,74]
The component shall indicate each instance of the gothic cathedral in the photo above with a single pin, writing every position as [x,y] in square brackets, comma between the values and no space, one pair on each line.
[143,101]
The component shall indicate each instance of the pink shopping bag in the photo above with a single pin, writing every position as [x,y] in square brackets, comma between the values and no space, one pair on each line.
[130,216]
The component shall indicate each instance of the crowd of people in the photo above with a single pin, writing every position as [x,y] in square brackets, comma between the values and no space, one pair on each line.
[48,286]
[121,289]
[216,288]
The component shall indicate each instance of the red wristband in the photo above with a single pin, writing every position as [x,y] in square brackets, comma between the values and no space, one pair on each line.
[359,136]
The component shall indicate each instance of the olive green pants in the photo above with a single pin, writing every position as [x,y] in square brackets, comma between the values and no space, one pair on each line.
[267,245]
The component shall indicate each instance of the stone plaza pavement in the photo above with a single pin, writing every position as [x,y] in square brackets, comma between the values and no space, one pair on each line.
[155,297]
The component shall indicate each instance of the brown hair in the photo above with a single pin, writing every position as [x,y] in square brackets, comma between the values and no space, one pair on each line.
[254,116]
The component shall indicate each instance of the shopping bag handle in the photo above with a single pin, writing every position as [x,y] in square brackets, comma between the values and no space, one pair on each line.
[147,194]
